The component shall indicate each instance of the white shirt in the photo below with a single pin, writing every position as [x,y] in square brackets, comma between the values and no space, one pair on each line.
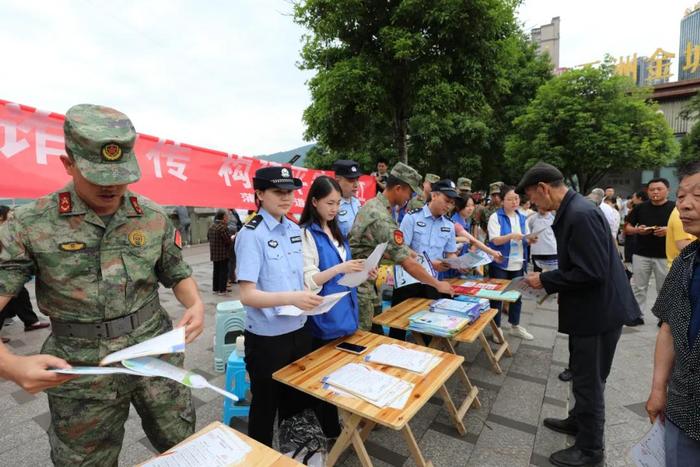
[612,216]
[311,259]
[517,252]
[546,242]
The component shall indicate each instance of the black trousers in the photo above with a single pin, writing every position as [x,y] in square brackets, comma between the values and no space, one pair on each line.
[590,360]
[220,275]
[263,356]
[411,291]
[326,413]
[21,307]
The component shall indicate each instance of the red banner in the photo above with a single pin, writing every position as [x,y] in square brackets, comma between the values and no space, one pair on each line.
[172,173]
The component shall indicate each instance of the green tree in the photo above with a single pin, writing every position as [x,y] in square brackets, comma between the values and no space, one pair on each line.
[408,79]
[588,122]
[690,144]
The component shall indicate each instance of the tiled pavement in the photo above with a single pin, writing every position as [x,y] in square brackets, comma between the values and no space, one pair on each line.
[506,431]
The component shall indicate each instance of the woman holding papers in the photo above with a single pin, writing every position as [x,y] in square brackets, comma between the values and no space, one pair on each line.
[508,232]
[270,271]
[326,259]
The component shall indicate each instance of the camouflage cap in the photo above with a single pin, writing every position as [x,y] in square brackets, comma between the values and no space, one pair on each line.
[431,178]
[495,188]
[464,184]
[101,141]
[408,175]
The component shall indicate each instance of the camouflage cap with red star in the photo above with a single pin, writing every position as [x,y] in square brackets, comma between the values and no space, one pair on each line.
[101,142]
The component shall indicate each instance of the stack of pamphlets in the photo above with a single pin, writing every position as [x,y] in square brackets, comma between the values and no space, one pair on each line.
[483,303]
[473,288]
[436,324]
[403,357]
[370,385]
[462,309]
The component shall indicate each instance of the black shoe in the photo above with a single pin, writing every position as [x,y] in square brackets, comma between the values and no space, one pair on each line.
[636,322]
[574,456]
[568,425]
[566,375]
[35,326]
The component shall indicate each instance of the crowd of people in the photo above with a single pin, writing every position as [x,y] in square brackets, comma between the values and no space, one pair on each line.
[99,253]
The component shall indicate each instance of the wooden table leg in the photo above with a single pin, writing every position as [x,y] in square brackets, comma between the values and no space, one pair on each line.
[472,391]
[413,447]
[350,435]
[452,410]
[489,354]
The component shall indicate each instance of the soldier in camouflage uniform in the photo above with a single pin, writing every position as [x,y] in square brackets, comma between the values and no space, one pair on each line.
[99,253]
[418,201]
[482,214]
[464,185]
[374,224]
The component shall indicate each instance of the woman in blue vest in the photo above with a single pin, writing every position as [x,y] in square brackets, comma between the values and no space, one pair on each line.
[508,233]
[326,259]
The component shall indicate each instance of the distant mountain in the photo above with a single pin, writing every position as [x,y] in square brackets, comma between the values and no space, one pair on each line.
[285,156]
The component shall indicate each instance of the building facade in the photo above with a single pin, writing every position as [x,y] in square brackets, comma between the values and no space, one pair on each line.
[547,39]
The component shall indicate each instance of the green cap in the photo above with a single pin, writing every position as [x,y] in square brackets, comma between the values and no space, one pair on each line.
[464,184]
[408,175]
[101,141]
[432,178]
[495,188]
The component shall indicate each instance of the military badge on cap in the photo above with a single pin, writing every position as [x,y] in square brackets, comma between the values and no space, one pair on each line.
[137,238]
[112,152]
[284,172]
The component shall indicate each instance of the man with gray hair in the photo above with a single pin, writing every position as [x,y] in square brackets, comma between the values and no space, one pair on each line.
[597,195]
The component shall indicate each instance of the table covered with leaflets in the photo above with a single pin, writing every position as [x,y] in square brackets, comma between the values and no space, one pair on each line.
[385,385]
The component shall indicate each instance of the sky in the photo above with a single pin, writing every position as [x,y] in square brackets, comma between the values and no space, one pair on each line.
[223,74]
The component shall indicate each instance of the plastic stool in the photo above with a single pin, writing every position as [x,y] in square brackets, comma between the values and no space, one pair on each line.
[237,382]
[230,323]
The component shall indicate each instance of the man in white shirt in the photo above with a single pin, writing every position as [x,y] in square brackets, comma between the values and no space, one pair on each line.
[612,215]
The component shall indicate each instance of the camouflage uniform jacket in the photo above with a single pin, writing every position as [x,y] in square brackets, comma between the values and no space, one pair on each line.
[374,225]
[86,272]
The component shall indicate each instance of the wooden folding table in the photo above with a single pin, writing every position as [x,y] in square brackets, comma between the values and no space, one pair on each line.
[307,373]
[259,455]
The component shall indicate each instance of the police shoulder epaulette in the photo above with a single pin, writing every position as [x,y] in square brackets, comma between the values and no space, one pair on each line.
[254,222]
[413,211]
[449,219]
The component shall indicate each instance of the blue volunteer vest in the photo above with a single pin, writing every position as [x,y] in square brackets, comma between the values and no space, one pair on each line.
[504,222]
[343,319]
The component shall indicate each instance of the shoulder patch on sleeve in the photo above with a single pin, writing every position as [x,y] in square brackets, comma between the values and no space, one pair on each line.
[178,239]
[254,222]
[398,237]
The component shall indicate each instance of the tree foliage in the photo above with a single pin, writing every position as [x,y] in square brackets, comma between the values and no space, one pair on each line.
[588,122]
[690,144]
[428,81]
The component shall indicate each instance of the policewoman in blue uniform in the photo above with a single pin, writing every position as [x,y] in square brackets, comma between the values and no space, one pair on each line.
[270,271]
[347,174]
[428,230]
[327,258]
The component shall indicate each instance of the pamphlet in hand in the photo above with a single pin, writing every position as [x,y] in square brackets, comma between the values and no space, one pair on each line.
[469,260]
[536,233]
[328,302]
[518,284]
[170,342]
[354,279]
[650,451]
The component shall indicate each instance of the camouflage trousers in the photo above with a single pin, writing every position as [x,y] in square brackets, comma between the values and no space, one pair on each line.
[89,432]
[368,301]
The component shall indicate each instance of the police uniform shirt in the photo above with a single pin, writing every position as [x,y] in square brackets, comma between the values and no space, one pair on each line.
[424,232]
[269,254]
[346,214]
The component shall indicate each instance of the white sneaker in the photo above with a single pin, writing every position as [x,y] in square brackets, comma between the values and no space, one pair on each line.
[521,332]
[495,339]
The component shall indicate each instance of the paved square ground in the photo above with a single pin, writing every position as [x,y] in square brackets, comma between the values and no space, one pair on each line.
[506,431]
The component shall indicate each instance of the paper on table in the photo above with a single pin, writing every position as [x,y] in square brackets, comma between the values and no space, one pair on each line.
[650,450]
[216,448]
[170,342]
[353,279]
[94,370]
[403,357]
[373,386]
[328,302]
[149,366]
[468,260]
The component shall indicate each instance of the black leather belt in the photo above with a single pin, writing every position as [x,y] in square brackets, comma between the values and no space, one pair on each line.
[107,329]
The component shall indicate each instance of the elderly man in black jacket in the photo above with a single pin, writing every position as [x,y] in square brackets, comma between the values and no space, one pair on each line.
[595,300]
